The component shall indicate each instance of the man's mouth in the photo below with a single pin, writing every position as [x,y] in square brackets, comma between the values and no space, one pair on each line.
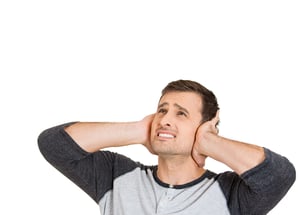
[166,135]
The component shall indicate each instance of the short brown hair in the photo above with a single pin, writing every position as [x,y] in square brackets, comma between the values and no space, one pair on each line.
[209,101]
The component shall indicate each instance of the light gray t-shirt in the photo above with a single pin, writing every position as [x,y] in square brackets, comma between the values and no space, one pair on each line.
[122,186]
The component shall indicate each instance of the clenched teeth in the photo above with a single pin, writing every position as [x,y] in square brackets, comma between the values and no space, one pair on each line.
[166,135]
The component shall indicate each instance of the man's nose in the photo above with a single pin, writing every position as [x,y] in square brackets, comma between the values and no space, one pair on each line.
[166,120]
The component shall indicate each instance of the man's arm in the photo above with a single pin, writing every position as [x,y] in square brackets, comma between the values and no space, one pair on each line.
[239,156]
[94,136]
[263,177]
[74,149]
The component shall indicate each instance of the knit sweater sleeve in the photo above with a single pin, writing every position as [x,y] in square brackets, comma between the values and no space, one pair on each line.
[259,189]
[92,172]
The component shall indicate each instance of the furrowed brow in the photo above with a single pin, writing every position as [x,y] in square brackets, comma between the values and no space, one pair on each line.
[162,105]
[181,108]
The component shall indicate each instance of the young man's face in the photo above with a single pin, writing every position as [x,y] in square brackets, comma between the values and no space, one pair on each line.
[175,123]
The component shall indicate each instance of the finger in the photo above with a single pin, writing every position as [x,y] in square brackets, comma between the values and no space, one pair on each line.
[216,119]
[217,116]
[199,159]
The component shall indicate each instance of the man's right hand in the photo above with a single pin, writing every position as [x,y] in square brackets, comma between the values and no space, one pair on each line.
[146,123]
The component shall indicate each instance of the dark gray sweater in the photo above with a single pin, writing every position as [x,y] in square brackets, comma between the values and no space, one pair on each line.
[122,186]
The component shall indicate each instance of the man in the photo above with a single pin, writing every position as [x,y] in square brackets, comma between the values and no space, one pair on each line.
[182,133]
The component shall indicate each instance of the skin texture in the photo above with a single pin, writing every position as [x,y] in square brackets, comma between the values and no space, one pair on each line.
[175,134]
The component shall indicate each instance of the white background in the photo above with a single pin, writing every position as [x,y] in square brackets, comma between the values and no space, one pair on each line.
[63,61]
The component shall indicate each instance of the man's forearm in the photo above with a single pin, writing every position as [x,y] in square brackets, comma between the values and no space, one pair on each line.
[239,156]
[94,136]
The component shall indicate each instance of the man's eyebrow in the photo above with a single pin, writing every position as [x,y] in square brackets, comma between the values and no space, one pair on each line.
[176,105]
[163,104]
[181,108]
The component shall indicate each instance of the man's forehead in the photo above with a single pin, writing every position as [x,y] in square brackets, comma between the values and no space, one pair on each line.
[180,97]
[187,100]
[163,104]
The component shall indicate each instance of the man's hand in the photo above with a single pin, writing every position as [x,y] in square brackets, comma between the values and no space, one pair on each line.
[202,140]
[145,124]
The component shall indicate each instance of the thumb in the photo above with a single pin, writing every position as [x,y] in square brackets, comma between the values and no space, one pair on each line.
[199,159]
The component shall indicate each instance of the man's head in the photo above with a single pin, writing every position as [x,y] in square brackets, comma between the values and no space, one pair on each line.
[209,101]
[183,106]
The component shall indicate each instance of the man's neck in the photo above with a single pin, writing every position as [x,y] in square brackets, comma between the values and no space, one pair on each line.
[178,170]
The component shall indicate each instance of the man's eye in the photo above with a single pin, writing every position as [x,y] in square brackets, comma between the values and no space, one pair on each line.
[162,111]
[181,113]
